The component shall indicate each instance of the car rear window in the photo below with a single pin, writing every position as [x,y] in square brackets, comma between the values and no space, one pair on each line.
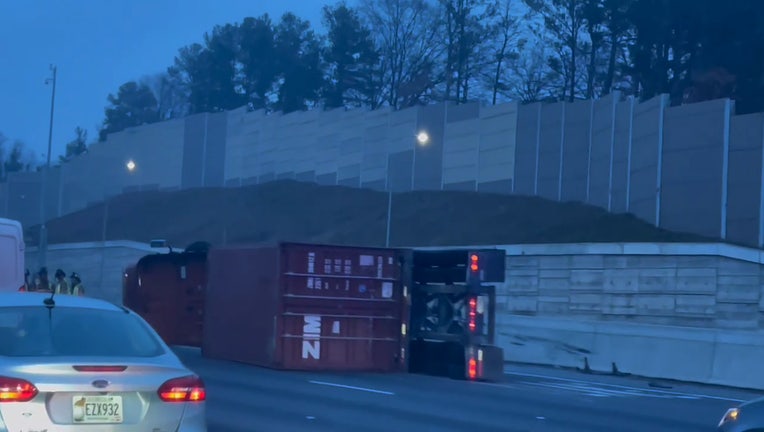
[66,331]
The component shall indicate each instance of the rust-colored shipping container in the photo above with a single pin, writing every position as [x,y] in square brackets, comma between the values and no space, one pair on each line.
[167,290]
[306,307]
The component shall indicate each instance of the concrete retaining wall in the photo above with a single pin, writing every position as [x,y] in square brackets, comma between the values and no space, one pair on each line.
[675,311]
[712,356]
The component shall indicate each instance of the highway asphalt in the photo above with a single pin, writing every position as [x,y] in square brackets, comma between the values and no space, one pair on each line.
[531,399]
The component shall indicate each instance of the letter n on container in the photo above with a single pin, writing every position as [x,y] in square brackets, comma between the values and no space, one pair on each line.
[311,337]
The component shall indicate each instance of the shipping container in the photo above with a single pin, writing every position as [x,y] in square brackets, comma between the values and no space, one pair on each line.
[306,307]
[167,290]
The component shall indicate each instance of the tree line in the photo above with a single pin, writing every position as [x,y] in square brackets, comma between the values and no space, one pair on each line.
[15,156]
[402,53]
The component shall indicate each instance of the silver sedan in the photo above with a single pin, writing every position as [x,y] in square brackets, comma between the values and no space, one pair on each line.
[78,364]
[747,417]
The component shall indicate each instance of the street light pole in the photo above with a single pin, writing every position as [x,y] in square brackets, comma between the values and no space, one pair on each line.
[131,166]
[43,246]
[422,139]
[389,212]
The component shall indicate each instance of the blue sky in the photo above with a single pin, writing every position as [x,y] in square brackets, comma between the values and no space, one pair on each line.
[98,45]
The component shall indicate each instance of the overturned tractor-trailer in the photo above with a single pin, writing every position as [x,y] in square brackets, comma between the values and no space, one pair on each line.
[321,307]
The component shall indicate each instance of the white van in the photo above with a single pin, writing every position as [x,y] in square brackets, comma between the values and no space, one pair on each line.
[11,255]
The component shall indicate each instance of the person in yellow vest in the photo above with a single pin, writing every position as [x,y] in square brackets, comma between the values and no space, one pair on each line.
[77,288]
[61,287]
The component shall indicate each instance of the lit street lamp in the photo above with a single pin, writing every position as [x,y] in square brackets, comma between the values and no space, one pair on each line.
[130,165]
[422,139]
[42,249]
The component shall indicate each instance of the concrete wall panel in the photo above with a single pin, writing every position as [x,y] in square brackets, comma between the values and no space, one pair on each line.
[352,135]
[157,149]
[328,179]
[498,186]
[645,158]
[352,172]
[600,160]
[744,197]
[461,150]
[403,129]
[195,129]
[694,158]
[575,151]
[461,186]
[428,162]
[550,150]
[350,182]
[622,142]
[306,176]
[268,145]
[215,150]
[376,147]
[399,171]
[498,132]
[526,154]
[241,158]
[377,185]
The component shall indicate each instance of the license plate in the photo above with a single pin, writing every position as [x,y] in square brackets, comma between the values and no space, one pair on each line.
[97,409]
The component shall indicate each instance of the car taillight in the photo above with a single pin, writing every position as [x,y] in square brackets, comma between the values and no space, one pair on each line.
[22,288]
[184,389]
[16,390]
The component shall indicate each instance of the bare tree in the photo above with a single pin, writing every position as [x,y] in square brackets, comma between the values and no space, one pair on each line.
[406,33]
[532,80]
[467,26]
[564,22]
[619,36]
[506,33]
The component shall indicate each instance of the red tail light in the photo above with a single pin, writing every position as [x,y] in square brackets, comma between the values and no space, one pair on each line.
[184,389]
[16,390]
[474,263]
[100,368]
[472,368]
[22,288]
[473,314]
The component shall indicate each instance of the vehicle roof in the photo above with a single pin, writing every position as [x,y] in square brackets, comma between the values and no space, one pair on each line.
[18,299]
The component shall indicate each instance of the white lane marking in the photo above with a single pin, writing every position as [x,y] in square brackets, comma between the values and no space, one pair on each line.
[349,387]
[592,390]
[617,386]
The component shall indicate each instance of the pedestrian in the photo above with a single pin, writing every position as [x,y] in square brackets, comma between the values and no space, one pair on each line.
[42,283]
[61,287]
[26,286]
[77,288]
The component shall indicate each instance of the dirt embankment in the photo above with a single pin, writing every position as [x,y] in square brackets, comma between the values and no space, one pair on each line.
[294,211]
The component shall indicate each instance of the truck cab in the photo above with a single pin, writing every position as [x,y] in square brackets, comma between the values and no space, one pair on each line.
[11,256]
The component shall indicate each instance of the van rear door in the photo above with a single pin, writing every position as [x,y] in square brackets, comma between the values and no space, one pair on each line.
[11,255]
